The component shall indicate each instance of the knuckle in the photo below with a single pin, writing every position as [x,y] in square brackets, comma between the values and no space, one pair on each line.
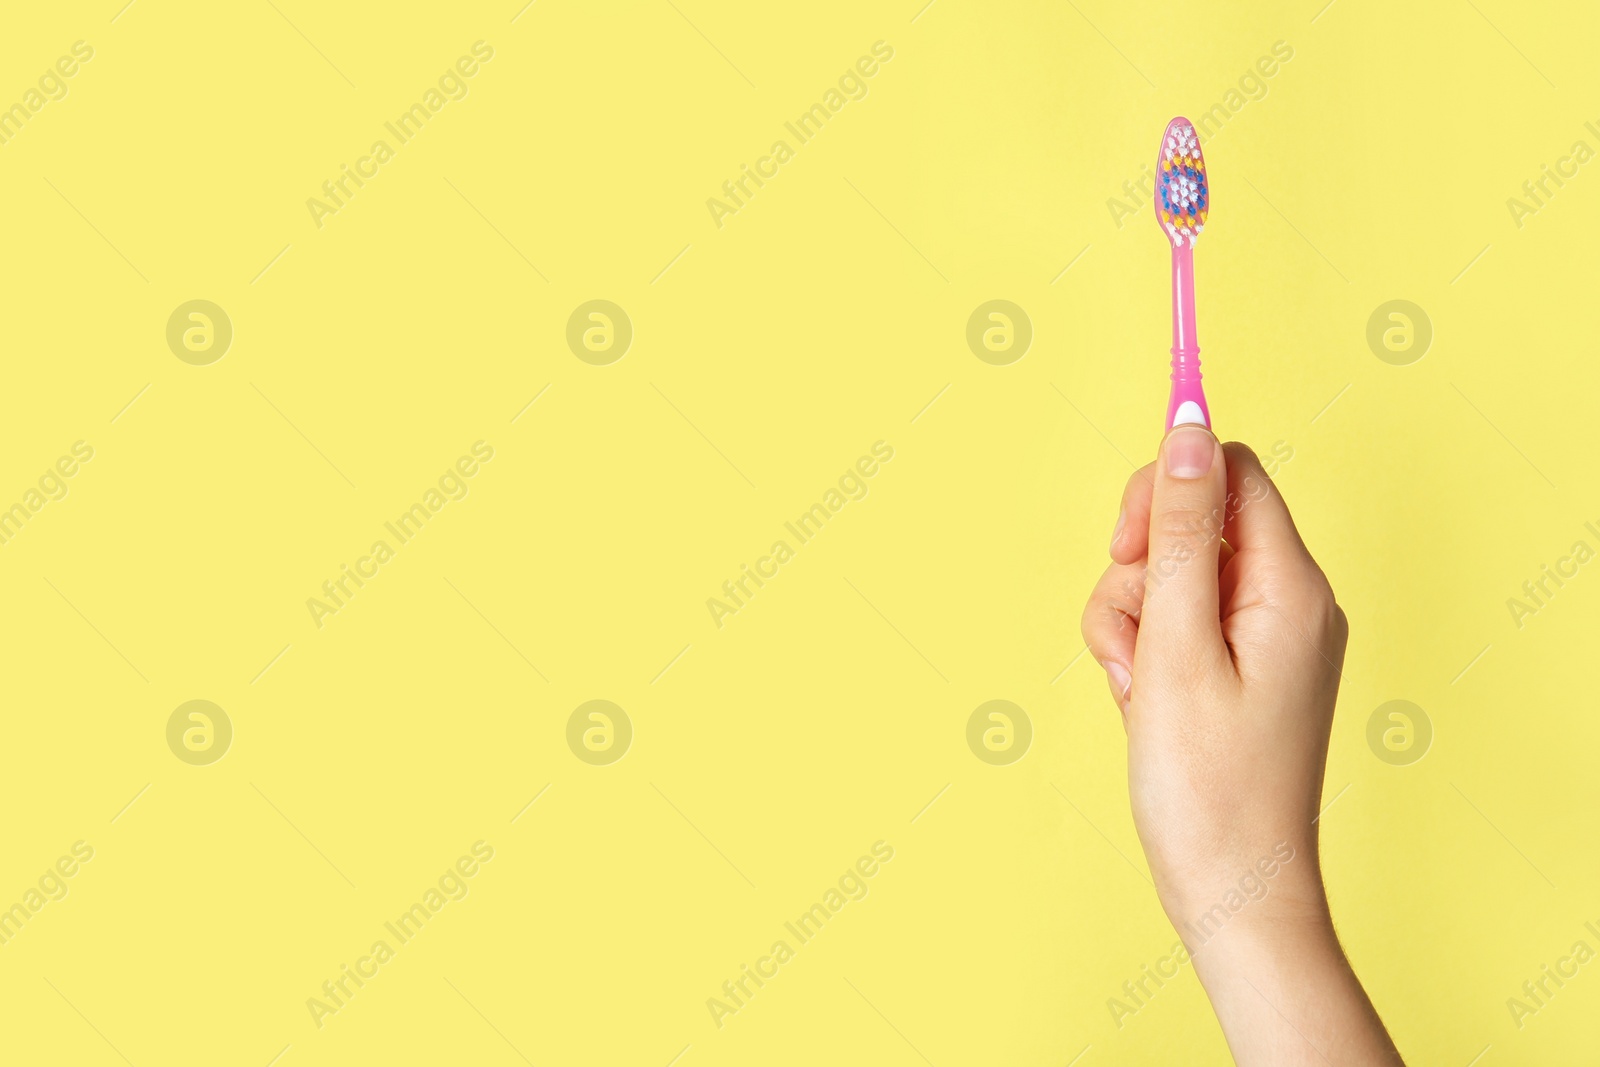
[1093,620]
[1245,466]
[1319,608]
[1110,611]
[1098,614]
[1095,638]
[1240,450]
[1341,625]
[1182,529]
[1140,481]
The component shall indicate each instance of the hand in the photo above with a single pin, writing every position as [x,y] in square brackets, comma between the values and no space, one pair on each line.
[1223,646]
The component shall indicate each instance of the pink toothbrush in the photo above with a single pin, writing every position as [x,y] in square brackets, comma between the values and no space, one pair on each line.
[1182,199]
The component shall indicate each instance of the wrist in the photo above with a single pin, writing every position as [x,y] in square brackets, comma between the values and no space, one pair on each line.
[1284,992]
[1277,898]
[1293,932]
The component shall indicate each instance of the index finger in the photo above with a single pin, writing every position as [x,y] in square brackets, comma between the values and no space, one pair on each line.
[1131,538]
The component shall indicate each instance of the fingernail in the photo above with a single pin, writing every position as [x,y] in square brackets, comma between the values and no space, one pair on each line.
[1121,680]
[1189,452]
[1122,520]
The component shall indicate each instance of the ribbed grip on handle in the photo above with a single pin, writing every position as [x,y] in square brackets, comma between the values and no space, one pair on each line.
[1188,401]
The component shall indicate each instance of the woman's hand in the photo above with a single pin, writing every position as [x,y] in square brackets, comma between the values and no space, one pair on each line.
[1223,646]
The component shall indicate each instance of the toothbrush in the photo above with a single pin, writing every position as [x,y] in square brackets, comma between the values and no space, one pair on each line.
[1182,199]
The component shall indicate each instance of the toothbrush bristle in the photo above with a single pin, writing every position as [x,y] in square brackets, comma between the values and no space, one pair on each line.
[1183,196]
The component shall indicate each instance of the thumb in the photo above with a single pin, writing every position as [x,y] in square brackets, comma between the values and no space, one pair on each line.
[1187,513]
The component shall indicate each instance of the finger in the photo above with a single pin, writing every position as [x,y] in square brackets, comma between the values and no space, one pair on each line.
[1257,519]
[1111,624]
[1273,580]
[1130,541]
[1132,535]
[1180,620]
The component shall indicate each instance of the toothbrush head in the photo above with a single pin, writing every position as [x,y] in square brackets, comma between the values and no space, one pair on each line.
[1183,196]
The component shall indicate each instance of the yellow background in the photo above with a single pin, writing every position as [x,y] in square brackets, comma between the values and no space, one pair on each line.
[768,355]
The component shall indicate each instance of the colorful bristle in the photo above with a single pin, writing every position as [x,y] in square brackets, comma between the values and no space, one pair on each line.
[1182,195]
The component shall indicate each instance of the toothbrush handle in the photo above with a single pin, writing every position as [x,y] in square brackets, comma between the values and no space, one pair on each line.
[1188,401]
